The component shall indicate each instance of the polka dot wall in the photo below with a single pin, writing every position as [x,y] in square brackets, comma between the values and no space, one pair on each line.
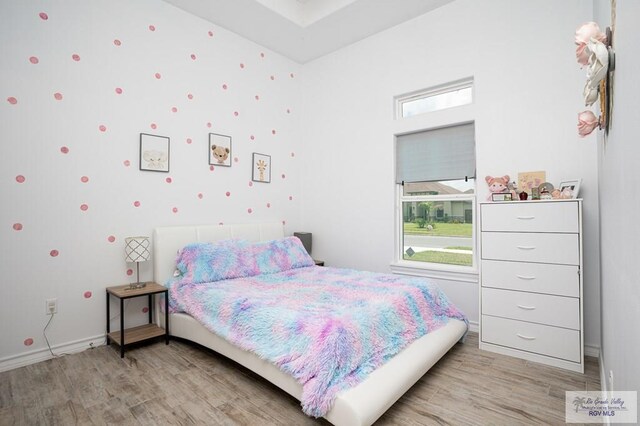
[75,95]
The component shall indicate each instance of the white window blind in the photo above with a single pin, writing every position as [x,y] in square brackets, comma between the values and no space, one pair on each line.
[441,154]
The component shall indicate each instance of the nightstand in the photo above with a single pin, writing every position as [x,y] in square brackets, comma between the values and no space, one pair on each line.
[143,332]
[319,262]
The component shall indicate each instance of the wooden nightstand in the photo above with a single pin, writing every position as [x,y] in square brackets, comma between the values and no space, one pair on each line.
[142,332]
[319,262]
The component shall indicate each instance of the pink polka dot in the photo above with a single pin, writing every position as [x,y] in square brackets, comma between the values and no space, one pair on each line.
[84,207]
[20,179]
[210,33]
[117,42]
[249,210]
[273,132]
[288,111]
[34,60]
[189,96]
[291,75]
[17,227]
[102,128]
[12,100]
[57,96]
[261,55]
[175,210]
[209,124]
[200,195]
[212,168]
[29,341]
[293,154]
[174,109]
[290,198]
[284,222]
[43,16]
[225,87]
[220,223]
[193,56]
[64,150]
[236,113]
[252,137]
[228,194]
[119,90]
[250,183]
[84,179]
[268,205]
[126,163]
[153,126]
[242,66]
[136,203]
[145,310]
[257,97]
[158,76]
[129,272]
[111,238]
[168,180]
[75,57]
[283,176]
[87,295]
[272,78]
[235,159]
[54,253]
[152,28]
[189,141]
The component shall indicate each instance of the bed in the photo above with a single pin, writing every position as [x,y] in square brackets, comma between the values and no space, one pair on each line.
[359,405]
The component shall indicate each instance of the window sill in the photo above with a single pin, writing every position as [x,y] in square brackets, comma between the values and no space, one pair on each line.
[448,272]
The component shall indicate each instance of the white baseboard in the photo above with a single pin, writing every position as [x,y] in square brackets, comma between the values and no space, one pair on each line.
[39,355]
[592,350]
[474,326]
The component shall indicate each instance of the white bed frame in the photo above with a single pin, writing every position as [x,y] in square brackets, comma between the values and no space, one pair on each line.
[361,405]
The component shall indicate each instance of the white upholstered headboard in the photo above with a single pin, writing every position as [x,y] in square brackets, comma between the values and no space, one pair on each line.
[168,240]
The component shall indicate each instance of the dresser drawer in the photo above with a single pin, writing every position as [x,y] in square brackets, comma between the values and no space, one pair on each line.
[561,280]
[541,339]
[558,311]
[561,216]
[529,247]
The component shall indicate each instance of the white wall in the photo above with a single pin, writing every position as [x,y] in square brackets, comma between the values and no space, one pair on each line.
[528,92]
[618,159]
[33,130]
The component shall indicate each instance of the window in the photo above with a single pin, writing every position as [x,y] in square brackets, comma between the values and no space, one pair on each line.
[435,174]
[434,99]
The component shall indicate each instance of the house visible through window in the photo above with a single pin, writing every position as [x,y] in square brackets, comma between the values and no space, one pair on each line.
[435,173]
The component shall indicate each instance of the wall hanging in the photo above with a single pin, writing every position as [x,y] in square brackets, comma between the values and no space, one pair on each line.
[219,150]
[154,153]
[261,168]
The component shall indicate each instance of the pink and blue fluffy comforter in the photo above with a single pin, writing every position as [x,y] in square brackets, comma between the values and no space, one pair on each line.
[327,327]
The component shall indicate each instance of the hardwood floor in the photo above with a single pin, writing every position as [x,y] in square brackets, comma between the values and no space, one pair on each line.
[184,384]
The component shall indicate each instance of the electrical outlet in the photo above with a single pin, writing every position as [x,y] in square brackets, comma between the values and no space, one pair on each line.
[51,306]
[610,380]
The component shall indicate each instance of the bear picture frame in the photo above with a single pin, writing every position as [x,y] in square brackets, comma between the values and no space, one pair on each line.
[220,150]
[154,153]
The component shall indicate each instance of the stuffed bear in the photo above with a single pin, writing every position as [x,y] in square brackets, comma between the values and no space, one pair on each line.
[220,153]
[497,185]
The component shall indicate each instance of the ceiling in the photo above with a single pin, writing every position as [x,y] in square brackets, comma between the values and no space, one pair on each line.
[304,30]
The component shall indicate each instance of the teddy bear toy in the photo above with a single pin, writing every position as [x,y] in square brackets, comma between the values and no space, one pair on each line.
[220,153]
[497,185]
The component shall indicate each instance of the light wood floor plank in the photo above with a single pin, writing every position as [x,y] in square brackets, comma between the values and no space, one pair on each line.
[185,384]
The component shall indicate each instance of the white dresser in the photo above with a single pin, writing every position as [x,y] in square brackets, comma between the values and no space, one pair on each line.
[531,281]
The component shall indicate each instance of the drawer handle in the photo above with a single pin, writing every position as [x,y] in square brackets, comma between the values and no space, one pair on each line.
[525,337]
[526,217]
[526,247]
[528,308]
[523,277]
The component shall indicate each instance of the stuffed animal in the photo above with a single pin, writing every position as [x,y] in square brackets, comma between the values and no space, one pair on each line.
[220,153]
[497,185]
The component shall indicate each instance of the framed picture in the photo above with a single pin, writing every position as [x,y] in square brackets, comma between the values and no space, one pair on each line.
[529,180]
[154,153]
[261,168]
[503,196]
[219,150]
[570,188]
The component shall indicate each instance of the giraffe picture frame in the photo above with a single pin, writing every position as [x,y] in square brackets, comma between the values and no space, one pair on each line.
[261,168]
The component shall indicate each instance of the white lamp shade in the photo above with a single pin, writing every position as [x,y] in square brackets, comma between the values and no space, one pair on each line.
[137,249]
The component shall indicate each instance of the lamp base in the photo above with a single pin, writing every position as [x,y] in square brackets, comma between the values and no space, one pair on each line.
[134,286]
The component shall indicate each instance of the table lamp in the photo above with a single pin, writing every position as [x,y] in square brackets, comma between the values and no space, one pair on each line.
[137,250]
